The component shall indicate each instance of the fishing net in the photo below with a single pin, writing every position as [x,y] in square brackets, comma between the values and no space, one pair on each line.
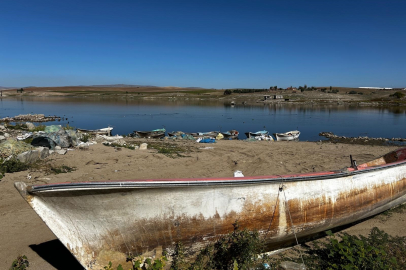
[182,135]
[62,138]
[73,136]
[13,147]
[53,128]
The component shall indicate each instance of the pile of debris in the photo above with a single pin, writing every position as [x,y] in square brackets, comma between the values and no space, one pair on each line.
[31,118]
[181,135]
[29,146]
[13,148]
[40,144]
[360,139]
[55,136]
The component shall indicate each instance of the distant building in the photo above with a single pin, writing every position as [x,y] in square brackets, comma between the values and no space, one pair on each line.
[377,88]
[267,97]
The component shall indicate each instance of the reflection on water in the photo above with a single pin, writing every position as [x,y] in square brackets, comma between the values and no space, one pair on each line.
[191,115]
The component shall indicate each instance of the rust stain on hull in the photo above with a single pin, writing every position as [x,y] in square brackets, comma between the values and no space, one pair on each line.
[314,215]
[311,215]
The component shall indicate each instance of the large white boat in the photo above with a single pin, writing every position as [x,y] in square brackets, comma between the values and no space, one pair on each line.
[102,221]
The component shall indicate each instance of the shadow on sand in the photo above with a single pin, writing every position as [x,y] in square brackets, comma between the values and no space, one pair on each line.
[56,254]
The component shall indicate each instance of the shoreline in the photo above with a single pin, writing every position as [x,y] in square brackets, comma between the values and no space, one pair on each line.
[363,97]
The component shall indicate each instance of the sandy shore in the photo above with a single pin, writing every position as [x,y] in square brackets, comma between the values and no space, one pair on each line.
[23,232]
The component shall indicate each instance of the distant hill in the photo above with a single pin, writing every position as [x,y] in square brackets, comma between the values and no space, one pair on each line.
[137,85]
[5,88]
[118,85]
[113,86]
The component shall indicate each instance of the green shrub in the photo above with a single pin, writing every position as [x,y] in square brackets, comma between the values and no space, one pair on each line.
[67,127]
[62,169]
[168,149]
[147,264]
[119,146]
[11,166]
[378,251]
[20,263]
[353,92]
[85,137]
[236,250]
[397,95]
[18,126]
[140,263]
[240,91]
[39,128]
[28,140]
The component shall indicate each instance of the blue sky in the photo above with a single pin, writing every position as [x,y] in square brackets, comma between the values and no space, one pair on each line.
[211,44]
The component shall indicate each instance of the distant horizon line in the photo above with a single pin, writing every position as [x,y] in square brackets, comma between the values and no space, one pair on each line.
[193,87]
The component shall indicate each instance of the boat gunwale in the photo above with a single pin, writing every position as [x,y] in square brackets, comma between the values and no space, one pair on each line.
[193,182]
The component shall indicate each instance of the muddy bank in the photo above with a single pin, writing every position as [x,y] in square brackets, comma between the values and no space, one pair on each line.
[363,140]
[30,118]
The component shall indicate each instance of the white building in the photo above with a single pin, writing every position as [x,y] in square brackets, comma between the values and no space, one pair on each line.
[378,88]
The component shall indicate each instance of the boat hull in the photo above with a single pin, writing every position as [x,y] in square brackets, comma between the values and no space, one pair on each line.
[150,134]
[230,135]
[102,131]
[101,222]
[288,136]
[256,134]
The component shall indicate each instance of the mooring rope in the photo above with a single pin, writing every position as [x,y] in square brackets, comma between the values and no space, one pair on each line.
[274,210]
[280,189]
[291,222]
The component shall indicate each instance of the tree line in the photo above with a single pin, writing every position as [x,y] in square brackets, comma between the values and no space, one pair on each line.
[230,91]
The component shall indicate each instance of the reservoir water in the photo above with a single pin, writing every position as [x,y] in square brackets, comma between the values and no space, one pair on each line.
[127,115]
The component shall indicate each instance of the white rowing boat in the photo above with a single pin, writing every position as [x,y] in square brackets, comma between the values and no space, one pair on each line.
[287,136]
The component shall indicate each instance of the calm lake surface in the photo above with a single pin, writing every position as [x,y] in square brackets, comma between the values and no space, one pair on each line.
[127,115]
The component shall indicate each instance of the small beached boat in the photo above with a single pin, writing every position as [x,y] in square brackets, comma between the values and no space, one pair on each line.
[230,135]
[259,135]
[102,221]
[287,136]
[211,134]
[101,131]
[155,134]
[256,134]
